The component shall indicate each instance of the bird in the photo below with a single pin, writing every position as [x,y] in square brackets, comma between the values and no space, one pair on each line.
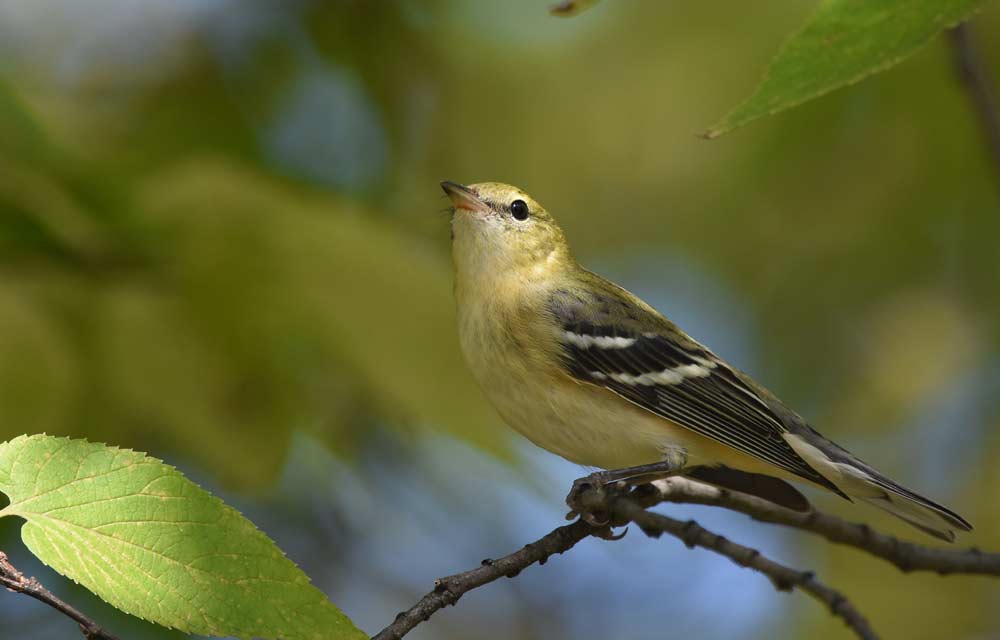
[588,371]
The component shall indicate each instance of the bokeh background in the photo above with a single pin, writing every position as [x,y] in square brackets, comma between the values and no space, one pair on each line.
[222,242]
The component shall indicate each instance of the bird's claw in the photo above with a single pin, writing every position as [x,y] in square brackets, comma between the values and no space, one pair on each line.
[608,533]
[595,481]
[596,517]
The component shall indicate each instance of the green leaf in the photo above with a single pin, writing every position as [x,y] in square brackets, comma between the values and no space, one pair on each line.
[844,42]
[152,543]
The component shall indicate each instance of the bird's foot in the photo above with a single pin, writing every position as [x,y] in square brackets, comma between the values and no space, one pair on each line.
[589,496]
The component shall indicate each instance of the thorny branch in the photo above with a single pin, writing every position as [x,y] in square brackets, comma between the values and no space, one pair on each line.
[624,507]
[16,581]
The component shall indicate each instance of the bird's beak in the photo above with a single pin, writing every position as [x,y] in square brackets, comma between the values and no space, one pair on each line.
[464,197]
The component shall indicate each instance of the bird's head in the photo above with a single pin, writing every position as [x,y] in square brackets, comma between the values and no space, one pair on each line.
[497,229]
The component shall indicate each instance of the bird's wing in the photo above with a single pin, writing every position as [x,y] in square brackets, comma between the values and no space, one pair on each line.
[611,339]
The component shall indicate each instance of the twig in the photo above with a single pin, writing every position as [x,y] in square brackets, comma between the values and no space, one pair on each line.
[975,78]
[621,509]
[448,590]
[905,555]
[782,577]
[567,8]
[14,580]
[618,508]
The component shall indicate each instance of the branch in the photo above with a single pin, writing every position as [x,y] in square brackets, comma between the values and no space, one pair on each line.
[448,590]
[616,507]
[975,78]
[782,577]
[905,555]
[621,509]
[14,580]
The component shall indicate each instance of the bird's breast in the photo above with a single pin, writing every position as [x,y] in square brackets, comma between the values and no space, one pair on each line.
[514,359]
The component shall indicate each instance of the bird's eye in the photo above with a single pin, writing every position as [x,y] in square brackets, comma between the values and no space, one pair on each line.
[519,209]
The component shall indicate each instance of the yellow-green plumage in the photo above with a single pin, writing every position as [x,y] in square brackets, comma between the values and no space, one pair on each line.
[590,372]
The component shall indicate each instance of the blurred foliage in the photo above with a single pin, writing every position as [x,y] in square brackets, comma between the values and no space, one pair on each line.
[211,309]
[843,42]
[219,225]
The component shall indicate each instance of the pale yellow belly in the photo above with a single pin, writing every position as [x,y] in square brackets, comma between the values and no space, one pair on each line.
[592,426]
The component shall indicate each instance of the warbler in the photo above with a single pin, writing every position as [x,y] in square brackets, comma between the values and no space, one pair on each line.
[590,372]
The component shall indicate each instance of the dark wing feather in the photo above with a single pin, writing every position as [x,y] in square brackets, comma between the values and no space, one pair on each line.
[704,393]
[771,489]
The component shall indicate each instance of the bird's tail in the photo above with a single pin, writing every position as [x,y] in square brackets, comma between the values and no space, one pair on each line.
[859,480]
[920,512]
